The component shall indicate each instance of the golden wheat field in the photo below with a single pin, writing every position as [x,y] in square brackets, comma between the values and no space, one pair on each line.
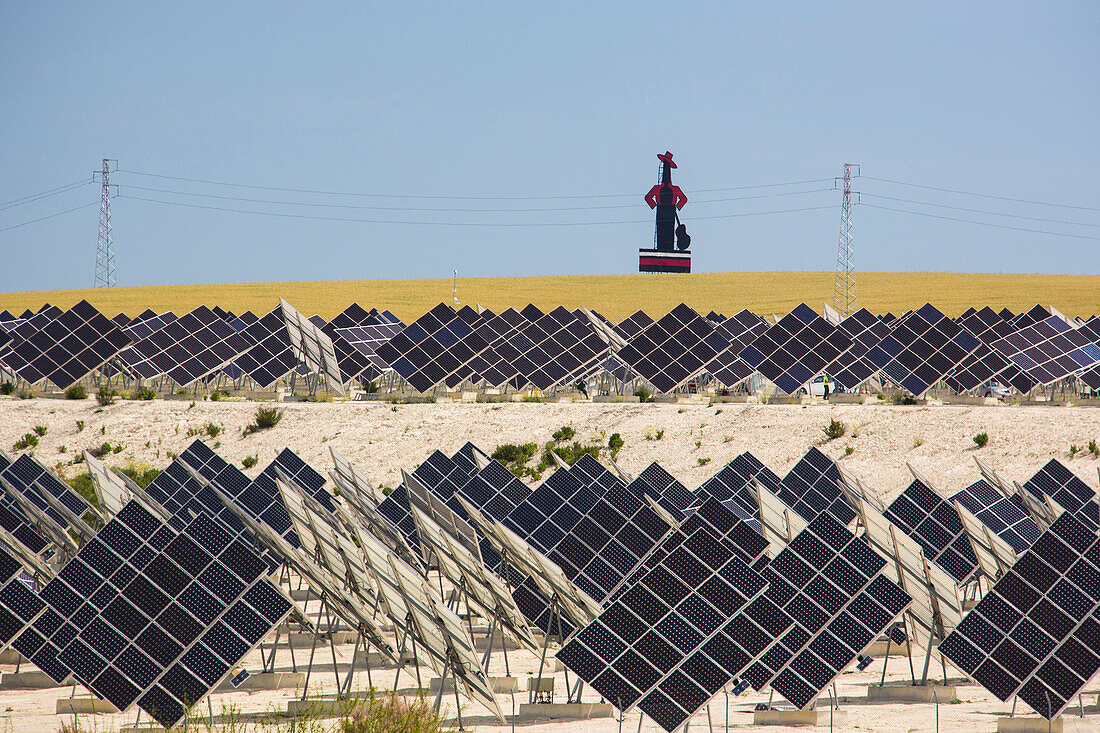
[615,296]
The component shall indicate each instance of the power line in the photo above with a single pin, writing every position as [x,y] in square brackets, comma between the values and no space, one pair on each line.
[449,198]
[51,216]
[435,209]
[314,217]
[983,211]
[983,223]
[982,195]
[31,198]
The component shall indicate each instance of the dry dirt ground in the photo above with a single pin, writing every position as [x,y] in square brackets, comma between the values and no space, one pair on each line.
[382,438]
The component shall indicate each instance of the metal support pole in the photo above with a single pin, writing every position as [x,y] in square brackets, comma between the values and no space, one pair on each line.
[885,661]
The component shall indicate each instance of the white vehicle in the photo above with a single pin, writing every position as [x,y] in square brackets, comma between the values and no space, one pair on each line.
[993,388]
[816,387]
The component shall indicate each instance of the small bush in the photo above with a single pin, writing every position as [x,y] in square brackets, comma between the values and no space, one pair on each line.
[572,452]
[181,390]
[213,430]
[643,394]
[615,444]
[836,429]
[142,474]
[563,433]
[215,396]
[249,461]
[266,418]
[40,430]
[76,392]
[30,440]
[849,450]
[25,394]
[101,451]
[7,388]
[387,712]
[702,461]
[387,490]
[918,442]
[511,453]
[62,449]
[105,396]
[79,426]
[145,394]
[981,439]
[1093,448]
[532,398]
[1074,450]
[660,434]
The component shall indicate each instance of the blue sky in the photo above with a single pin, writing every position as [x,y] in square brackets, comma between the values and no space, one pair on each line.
[560,106]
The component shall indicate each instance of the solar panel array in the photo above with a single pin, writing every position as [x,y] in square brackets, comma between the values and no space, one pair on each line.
[932,521]
[921,349]
[674,348]
[1049,350]
[1006,517]
[852,368]
[1070,492]
[34,482]
[186,350]
[1036,633]
[812,487]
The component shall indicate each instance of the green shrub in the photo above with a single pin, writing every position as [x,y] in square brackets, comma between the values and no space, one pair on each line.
[849,450]
[25,394]
[615,444]
[249,461]
[142,474]
[1093,448]
[563,433]
[835,429]
[105,396]
[7,388]
[101,451]
[572,453]
[702,461]
[266,418]
[82,484]
[1074,450]
[981,439]
[213,430]
[79,426]
[387,490]
[145,394]
[643,394]
[515,457]
[76,392]
[40,430]
[532,398]
[30,440]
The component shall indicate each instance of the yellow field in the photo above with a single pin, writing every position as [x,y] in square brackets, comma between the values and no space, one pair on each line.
[615,296]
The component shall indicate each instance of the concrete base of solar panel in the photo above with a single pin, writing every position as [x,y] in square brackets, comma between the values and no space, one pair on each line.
[499,685]
[1031,724]
[818,718]
[31,679]
[83,706]
[911,693]
[878,650]
[564,711]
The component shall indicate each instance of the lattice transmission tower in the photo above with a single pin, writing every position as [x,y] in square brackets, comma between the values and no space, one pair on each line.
[844,289]
[105,254]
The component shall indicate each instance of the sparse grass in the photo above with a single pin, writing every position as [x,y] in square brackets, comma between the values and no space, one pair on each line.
[142,474]
[101,451]
[79,426]
[532,398]
[849,450]
[1093,448]
[386,711]
[76,392]
[40,430]
[82,484]
[1074,450]
[702,461]
[616,296]
[835,429]
[145,394]
[918,442]
[249,461]
[981,440]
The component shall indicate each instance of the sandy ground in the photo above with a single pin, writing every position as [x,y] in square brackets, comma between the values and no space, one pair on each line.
[382,438]
[697,440]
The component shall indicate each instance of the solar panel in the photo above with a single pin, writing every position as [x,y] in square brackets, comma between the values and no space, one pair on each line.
[490,365]
[986,324]
[653,646]
[739,331]
[1008,518]
[1070,492]
[367,338]
[932,521]
[812,486]
[186,350]
[828,582]
[414,352]
[852,368]
[935,594]
[110,489]
[494,491]
[922,349]
[795,349]
[1035,634]
[552,349]
[673,349]
[270,358]
[312,347]
[977,369]
[735,483]
[665,489]
[1049,350]
[34,481]
[166,616]
[632,325]
[19,603]
[68,348]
